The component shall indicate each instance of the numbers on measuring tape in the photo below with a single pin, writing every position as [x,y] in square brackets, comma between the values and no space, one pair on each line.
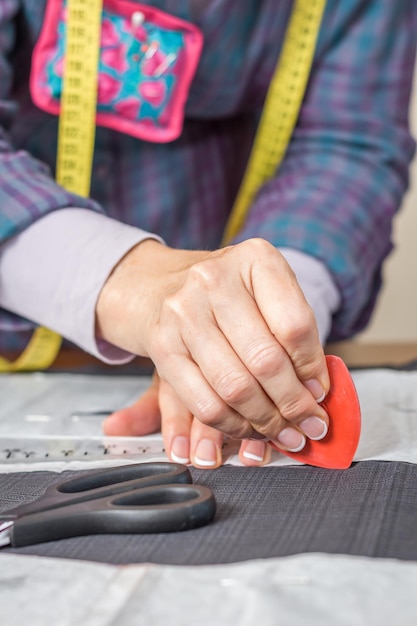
[79,98]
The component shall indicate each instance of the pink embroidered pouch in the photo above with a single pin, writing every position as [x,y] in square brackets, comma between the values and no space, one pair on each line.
[148,59]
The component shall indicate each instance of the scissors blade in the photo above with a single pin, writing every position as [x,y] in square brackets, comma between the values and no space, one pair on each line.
[5,533]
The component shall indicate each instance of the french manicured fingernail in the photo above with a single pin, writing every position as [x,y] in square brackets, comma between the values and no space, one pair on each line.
[291,439]
[314,427]
[255,450]
[206,453]
[180,450]
[316,389]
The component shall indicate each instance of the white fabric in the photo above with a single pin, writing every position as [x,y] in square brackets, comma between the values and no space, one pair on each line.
[313,589]
[57,413]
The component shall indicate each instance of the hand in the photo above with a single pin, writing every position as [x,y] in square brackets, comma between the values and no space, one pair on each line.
[185,438]
[230,332]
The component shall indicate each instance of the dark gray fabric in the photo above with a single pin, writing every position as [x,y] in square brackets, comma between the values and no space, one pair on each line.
[369,509]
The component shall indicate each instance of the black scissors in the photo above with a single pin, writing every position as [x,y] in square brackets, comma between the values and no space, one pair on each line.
[139,498]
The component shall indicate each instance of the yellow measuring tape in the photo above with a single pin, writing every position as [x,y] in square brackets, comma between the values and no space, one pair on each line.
[281,108]
[76,135]
[77,126]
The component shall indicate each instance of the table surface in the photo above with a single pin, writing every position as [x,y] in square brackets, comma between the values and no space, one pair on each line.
[357,354]
[354,353]
[364,516]
[368,510]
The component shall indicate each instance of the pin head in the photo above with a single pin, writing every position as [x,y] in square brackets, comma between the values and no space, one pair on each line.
[137,19]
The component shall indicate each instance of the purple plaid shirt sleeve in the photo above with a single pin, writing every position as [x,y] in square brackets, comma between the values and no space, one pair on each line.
[342,178]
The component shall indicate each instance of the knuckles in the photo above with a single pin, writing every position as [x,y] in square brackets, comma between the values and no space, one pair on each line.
[235,387]
[214,413]
[295,408]
[202,278]
[258,247]
[297,330]
[207,275]
[264,357]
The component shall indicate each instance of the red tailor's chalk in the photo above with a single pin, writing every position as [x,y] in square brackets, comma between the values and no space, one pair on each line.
[337,449]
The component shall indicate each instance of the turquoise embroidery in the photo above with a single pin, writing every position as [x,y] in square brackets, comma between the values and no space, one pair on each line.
[138,70]
[148,59]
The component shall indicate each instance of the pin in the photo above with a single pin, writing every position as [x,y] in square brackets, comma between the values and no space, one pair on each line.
[137,19]
[164,65]
[151,49]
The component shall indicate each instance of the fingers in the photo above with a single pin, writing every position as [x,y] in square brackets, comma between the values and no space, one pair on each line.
[231,365]
[254,452]
[141,418]
[206,446]
[185,438]
[188,440]
[291,320]
[202,401]
[231,333]
[175,424]
[257,379]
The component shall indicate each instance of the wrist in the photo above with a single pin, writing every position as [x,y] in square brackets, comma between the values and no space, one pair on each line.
[129,303]
[113,307]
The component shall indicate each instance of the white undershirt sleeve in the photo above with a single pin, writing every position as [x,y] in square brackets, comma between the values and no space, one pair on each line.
[318,287]
[52,273]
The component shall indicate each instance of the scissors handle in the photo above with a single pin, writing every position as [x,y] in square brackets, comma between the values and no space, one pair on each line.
[155,509]
[103,483]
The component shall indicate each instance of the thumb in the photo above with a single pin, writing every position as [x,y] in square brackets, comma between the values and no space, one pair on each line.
[140,418]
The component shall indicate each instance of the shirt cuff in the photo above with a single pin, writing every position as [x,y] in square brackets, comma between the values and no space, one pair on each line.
[52,273]
[318,287]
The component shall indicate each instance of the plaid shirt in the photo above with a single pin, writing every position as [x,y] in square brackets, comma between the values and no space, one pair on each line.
[333,197]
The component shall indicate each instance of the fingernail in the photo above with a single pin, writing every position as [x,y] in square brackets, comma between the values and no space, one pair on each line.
[206,453]
[180,450]
[316,389]
[291,439]
[314,427]
[255,450]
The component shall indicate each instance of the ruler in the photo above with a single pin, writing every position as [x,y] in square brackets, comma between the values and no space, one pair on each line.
[49,449]
[16,451]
